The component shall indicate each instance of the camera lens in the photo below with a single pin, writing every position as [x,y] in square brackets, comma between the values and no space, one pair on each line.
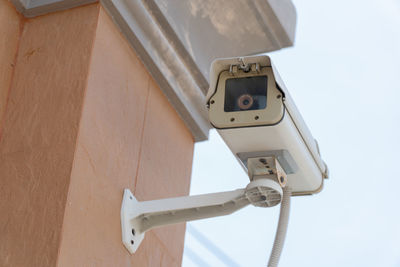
[245,101]
[246,93]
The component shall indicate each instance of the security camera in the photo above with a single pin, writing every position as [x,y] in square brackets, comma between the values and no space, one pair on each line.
[253,112]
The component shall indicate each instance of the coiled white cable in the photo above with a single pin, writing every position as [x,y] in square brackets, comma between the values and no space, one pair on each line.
[282,228]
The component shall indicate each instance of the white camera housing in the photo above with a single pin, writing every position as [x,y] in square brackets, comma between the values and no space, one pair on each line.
[266,124]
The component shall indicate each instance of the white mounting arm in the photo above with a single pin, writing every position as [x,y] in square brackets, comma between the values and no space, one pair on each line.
[137,217]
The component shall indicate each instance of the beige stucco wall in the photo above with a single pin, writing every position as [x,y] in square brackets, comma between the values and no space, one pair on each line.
[10,29]
[39,132]
[84,120]
[130,137]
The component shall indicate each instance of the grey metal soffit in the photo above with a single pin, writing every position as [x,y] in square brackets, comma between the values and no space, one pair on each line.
[177,40]
[33,8]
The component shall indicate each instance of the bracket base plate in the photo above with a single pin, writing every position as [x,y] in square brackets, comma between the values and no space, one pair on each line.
[131,237]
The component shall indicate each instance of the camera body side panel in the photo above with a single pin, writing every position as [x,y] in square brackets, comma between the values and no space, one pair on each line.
[307,178]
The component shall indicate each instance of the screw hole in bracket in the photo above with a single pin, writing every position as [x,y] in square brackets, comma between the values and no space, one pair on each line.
[132,242]
[133,231]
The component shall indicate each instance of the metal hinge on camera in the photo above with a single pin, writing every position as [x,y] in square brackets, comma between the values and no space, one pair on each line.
[266,168]
[246,67]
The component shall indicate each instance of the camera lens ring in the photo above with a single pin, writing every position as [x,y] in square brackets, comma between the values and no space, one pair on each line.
[245,101]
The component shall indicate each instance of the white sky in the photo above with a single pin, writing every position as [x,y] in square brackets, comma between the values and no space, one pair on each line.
[344,75]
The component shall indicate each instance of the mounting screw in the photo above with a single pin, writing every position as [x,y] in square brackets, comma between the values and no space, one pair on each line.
[256,117]
[263,161]
[212,102]
[130,197]
[279,96]
[133,231]
[132,242]
[263,198]
[232,119]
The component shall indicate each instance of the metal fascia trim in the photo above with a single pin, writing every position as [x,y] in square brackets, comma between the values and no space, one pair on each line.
[30,9]
[280,16]
[163,61]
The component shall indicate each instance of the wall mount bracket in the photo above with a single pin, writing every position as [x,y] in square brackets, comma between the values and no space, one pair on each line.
[137,217]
